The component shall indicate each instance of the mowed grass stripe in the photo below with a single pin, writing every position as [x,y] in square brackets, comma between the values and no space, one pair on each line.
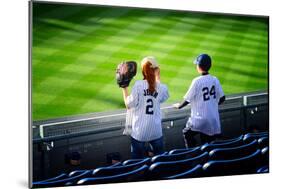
[227,65]
[64,56]
[57,36]
[171,53]
[202,28]
[114,85]
[186,54]
[181,50]
[230,42]
[70,66]
[188,69]
[248,76]
[259,23]
[129,27]
[91,55]
[203,47]
[70,14]
[102,82]
[74,53]
[194,42]
[152,47]
[236,74]
[121,40]
[216,36]
[80,21]
[91,25]
[161,52]
[40,98]
[260,82]
[222,54]
[117,53]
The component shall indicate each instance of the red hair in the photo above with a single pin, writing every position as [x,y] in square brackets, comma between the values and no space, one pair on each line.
[149,74]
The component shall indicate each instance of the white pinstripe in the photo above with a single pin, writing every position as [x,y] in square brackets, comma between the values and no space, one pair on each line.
[146,126]
[204,113]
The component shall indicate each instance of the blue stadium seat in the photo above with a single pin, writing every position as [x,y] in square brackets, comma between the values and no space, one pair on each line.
[264,157]
[110,171]
[234,152]
[69,180]
[244,165]
[263,142]
[134,161]
[234,143]
[264,169]
[226,141]
[115,164]
[76,172]
[162,170]
[133,175]
[251,136]
[180,150]
[265,133]
[178,156]
[196,171]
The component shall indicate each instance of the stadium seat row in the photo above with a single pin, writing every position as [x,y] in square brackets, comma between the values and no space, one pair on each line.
[243,155]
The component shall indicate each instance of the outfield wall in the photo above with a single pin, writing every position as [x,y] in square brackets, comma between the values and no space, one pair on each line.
[95,136]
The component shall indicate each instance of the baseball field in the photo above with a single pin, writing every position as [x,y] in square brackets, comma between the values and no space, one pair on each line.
[75,51]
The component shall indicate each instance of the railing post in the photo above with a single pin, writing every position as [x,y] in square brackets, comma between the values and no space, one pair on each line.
[245,104]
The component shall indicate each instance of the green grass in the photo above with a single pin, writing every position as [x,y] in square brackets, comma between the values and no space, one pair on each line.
[77,48]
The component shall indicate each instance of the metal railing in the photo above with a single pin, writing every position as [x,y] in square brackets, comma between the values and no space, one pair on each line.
[120,118]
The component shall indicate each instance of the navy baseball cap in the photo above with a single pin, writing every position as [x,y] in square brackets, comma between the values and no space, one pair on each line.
[203,61]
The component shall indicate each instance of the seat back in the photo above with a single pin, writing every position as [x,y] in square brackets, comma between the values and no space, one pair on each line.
[161,170]
[226,141]
[178,156]
[234,143]
[115,164]
[244,165]
[180,150]
[234,152]
[133,175]
[109,171]
[69,180]
[263,142]
[76,172]
[134,161]
[264,157]
[196,171]
[264,169]
[265,133]
[251,136]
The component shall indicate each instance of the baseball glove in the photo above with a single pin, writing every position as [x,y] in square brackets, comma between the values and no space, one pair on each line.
[125,72]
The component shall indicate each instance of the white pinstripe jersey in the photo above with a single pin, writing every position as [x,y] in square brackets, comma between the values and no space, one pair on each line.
[204,94]
[146,113]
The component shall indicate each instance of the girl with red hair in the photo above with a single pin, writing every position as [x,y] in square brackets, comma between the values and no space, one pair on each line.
[144,104]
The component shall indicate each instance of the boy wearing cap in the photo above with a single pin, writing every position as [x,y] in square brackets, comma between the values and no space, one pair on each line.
[144,104]
[204,95]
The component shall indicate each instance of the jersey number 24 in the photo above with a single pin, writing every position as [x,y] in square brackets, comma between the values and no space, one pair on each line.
[209,92]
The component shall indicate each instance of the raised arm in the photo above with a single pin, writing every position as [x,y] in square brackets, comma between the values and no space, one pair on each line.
[125,95]
[157,74]
[181,105]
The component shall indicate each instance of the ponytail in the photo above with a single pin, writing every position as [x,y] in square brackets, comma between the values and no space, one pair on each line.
[149,74]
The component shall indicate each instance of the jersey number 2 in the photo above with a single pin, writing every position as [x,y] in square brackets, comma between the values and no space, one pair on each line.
[149,106]
[207,93]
